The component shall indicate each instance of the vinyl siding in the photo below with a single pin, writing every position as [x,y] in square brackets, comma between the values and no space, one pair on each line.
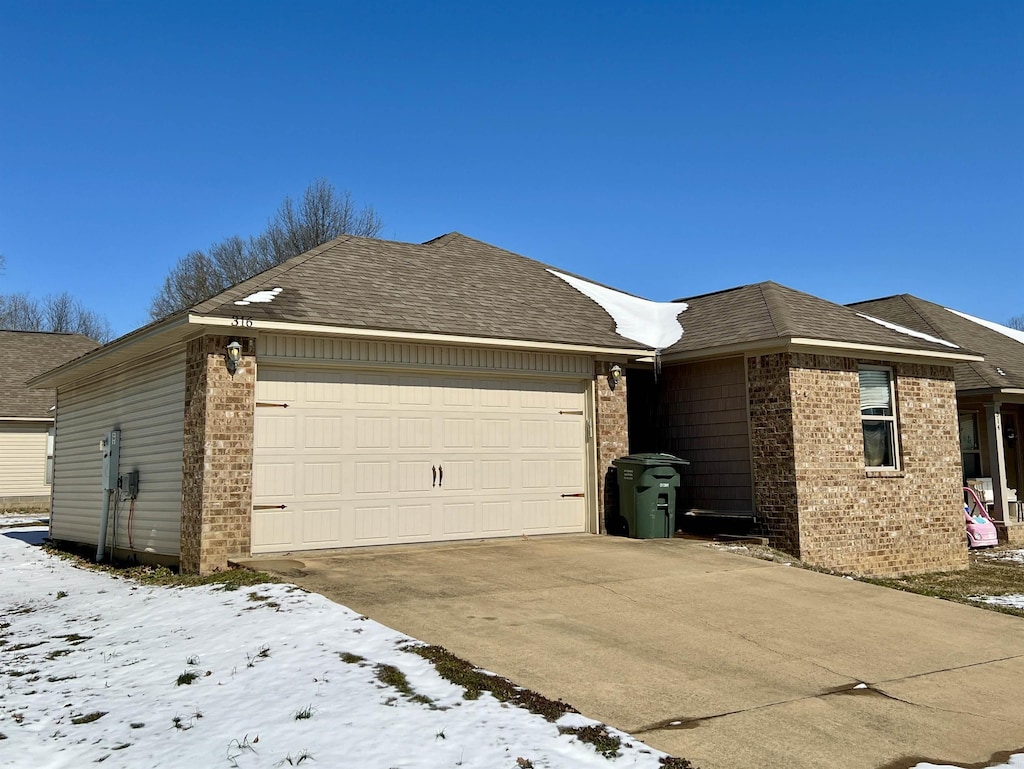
[23,459]
[286,348]
[147,404]
[705,421]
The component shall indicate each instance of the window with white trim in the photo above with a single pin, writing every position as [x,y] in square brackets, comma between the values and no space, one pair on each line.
[878,418]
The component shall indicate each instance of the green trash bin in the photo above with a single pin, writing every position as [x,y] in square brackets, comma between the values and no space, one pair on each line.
[647,494]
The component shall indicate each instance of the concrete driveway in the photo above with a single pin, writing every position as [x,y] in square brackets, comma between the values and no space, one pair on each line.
[728,661]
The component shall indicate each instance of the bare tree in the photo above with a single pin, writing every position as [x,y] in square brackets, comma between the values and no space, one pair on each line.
[1017,322]
[20,312]
[322,214]
[60,312]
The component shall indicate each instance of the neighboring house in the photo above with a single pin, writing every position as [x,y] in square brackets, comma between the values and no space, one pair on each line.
[990,395]
[26,416]
[392,392]
[839,432]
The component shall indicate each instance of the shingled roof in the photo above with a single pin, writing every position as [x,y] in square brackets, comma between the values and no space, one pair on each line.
[763,312]
[1003,367]
[25,354]
[452,285]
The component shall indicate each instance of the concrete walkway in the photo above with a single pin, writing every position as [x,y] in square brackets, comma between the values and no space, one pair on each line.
[728,661]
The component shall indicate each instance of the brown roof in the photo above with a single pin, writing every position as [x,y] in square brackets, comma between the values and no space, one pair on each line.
[1002,354]
[762,312]
[451,285]
[26,354]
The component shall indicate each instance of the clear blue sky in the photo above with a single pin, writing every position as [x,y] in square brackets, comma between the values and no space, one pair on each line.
[847,149]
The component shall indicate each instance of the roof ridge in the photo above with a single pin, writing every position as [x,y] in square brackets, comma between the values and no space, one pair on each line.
[774,304]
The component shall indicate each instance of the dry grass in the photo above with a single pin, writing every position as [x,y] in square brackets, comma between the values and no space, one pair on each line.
[990,572]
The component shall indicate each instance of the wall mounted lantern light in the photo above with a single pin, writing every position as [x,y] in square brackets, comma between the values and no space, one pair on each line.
[233,356]
[1010,433]
[614,375]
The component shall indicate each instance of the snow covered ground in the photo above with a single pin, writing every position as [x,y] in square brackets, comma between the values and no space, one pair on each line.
[94,668]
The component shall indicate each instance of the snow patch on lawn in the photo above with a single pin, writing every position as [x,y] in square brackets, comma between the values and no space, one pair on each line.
[97,668]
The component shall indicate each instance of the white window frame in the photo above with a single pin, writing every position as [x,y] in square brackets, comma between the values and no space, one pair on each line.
[892,419]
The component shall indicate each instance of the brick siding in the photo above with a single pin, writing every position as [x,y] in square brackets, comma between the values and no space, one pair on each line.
[217,487]
[816,497]
[612,433]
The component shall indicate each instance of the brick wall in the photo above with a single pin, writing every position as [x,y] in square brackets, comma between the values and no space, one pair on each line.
[217,456]
[772,449]
[880,523]
[612,435]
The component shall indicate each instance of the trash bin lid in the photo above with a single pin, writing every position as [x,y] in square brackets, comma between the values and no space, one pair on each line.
[650,460]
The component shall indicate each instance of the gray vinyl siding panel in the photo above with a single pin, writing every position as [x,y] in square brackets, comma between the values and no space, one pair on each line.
[705,421]
[23,459]
[147,404]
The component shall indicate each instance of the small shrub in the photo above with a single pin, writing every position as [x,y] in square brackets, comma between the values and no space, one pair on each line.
[306,712]
[186,678]
[61,594]
[193,660]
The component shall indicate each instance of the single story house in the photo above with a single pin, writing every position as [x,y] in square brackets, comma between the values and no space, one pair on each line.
[989,393]
[27,416]
[371,392]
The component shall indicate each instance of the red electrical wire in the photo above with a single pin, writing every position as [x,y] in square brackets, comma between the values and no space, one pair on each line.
[131,512]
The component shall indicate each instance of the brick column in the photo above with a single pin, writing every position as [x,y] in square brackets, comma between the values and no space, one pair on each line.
[772,449]
[216,505]
[612,431]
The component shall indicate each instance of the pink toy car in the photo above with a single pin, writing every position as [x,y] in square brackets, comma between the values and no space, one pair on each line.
[981,530]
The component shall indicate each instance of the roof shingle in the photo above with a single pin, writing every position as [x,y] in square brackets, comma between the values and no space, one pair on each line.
[26,354]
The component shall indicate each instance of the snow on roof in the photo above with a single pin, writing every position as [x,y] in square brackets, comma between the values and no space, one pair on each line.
[908,331]
[261,297]
[655,324]
[1004,330]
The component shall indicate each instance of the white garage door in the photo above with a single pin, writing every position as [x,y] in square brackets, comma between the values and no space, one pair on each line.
[347,458]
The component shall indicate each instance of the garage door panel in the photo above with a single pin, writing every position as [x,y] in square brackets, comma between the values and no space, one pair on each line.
[459,475]
[276,432]
[274,479]
[321,525]
[272,529]
[460,518]
[372,524]
[496,474]
[322,432]
[415,477]
[321,479]
[536,514]
[358,457]
[415,521]
[496,517]
[372,477]
[373,433]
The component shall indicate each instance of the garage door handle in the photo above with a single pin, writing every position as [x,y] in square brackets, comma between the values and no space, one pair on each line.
[269,507]
[440,476]
[573,495]
[433,473]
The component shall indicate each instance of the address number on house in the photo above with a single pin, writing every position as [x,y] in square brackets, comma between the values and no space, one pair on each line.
[241,320]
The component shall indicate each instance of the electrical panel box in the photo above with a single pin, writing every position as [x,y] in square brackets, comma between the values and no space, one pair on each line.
[111,446]
[130,484]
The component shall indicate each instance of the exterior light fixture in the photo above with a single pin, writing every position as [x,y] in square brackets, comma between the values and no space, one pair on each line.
[233,355]
[1010,433]
[614,376]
